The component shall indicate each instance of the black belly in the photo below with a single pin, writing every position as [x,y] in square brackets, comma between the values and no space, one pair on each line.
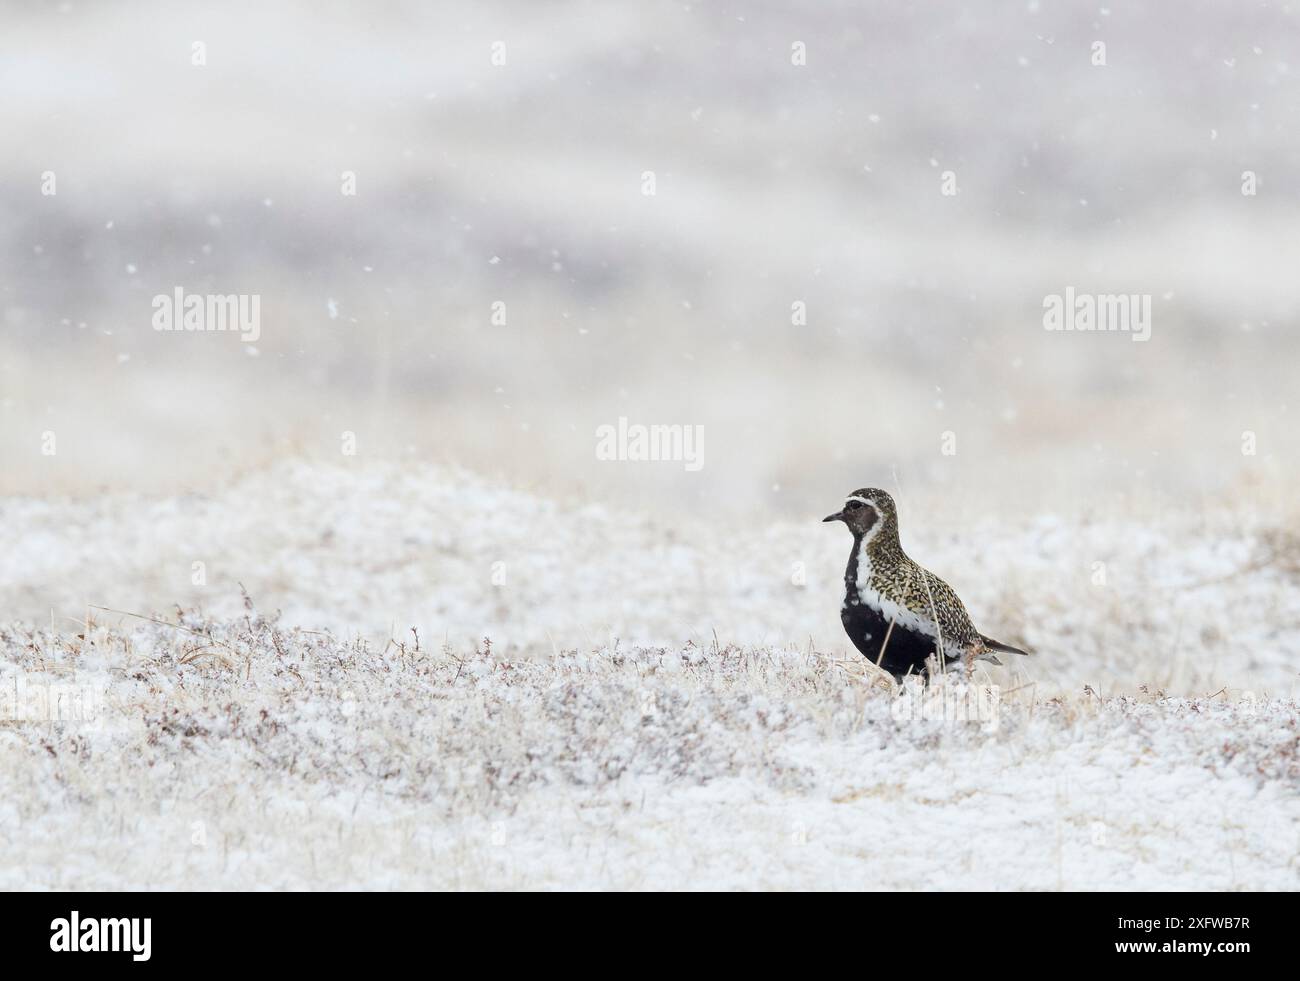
[906,651]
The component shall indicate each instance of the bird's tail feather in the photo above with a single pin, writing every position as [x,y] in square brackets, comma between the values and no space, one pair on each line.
[997,645]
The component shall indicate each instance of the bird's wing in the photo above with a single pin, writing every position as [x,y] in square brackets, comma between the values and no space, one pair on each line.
[955,623]
[958,628]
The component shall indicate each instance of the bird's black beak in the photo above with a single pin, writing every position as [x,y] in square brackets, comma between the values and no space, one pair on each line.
[837,516]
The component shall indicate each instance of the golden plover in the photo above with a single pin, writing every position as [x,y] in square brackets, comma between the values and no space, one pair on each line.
[896,613]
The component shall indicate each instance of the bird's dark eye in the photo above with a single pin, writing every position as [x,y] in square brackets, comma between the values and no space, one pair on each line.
[852,505]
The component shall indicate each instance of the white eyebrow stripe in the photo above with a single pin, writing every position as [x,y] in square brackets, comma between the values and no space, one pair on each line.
[860,500]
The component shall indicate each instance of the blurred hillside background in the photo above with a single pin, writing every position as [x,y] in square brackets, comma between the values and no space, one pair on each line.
[776,183]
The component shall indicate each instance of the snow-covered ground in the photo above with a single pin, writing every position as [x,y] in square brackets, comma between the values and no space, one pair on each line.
[662,705]
[259,758]
[1187,602]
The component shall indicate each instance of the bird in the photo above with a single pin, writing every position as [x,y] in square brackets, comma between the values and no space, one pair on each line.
[902,617]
